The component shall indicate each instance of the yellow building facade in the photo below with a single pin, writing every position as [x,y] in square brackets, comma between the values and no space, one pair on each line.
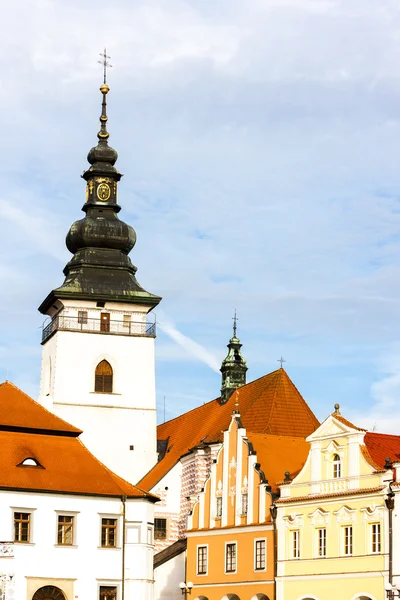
[332,517]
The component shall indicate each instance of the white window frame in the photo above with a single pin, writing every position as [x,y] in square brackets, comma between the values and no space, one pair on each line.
[232,542]
[264,568]
[197,560]
[379,541]
[67,513]
[117,531]
[102,583]
[295,544]
[318,532]
[20,509]
[337,467]
[344,541]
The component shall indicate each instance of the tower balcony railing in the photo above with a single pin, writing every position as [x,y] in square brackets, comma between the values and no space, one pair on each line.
[87,325]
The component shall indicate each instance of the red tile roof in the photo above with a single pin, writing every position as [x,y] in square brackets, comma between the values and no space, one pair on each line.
[346,422]
[20,412]
[278,454]
[270,405]
[27,430]
[382,445]
[67,466]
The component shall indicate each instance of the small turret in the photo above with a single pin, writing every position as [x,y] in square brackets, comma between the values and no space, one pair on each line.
[233,367]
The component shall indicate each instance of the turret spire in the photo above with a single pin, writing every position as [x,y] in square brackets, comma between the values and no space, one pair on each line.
[233,367]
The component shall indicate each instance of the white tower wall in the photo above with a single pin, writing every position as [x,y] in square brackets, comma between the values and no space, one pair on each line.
[112,423]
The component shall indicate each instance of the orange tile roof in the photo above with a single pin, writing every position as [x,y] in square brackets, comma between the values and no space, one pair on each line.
[346,422]
[68,467]
[278,454]
[28,430]
[381,445]
[20,412]
[271,405]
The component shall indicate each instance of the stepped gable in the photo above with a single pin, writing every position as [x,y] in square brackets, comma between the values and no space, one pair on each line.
[271,404]
[19,412]
[40,452]
[278,454]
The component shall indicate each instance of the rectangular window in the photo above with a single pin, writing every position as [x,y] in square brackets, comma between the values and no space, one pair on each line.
[296,543]
[160,529]
[108,592]
[201,560]
[259,555]
[82,317]
[321,542]
[108,533]
[375,538]
[127,321]
[230,558]
[348,540]
[219,507]
[243,510]
[65,530]
[22,525]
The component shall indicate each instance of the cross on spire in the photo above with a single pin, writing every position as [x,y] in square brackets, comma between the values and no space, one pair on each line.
[235,320]
[105,64]
[281,360]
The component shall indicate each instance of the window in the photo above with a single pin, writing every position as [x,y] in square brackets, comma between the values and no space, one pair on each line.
[243,510]
[103,380]
[219,507]
[230,558]
[321,533]
[127,321]
[348,540]
[202,560]
[108,533]
[337,466]
[22,525]
[375,538]
[160,529]
[296,543]
[259,555]
[108,592]
[82,317]
[65,530]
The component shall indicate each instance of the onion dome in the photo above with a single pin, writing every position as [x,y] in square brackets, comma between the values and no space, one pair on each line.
[100,268]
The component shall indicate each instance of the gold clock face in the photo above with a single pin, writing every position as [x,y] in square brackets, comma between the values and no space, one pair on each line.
[103,192]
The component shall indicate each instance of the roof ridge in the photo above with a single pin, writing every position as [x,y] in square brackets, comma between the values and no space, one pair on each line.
[40,406]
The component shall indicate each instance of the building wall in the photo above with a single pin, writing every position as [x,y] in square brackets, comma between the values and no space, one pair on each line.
[80,569]
[111,423]
[320,499]
[168,490]
[168,577]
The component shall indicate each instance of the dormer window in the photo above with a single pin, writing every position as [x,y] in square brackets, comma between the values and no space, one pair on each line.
[337,466]
[29,462]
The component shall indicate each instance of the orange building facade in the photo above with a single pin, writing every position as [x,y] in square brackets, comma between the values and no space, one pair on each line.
[231,538]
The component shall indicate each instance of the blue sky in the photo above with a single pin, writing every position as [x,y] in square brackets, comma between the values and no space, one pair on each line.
[260,146]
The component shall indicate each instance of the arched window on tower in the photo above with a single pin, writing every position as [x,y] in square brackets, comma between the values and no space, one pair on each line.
[103,380]
[337,466]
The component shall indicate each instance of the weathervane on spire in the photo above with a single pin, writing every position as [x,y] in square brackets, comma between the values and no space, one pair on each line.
[105,64]
[281,360]
[235,320]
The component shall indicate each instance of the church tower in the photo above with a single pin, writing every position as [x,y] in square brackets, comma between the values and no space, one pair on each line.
[98,345]
[233,367]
